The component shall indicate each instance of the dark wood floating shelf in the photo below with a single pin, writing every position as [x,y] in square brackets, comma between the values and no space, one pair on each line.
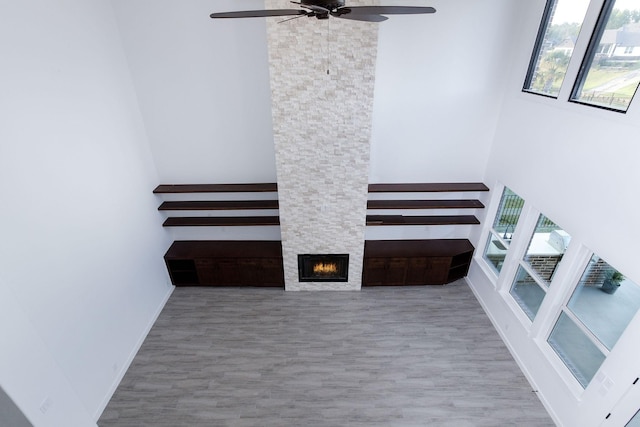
[218,221]
[421,220]
[427,187]
[424,204]
[215,188]
[371,220]
[205,205]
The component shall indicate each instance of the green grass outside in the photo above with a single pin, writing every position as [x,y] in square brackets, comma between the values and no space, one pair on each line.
[600,76]
[628,90]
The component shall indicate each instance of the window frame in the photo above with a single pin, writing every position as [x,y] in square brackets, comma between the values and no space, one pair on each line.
[536,55]
[564,308]
[587,333]
[582,263]
[589,56]
[492,232]
[536,279]
[537,49]
[523,264]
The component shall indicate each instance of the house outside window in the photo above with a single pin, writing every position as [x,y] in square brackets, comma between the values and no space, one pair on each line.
[610,73]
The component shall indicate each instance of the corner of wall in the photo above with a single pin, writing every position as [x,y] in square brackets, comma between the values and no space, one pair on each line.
[123,370]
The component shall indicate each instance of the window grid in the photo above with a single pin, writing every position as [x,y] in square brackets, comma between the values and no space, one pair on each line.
[591,319]
[538,265]
[534,275]
[526,298]
[501,232]
[567,311]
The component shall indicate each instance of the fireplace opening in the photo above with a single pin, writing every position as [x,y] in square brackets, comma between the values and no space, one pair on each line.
[323,267]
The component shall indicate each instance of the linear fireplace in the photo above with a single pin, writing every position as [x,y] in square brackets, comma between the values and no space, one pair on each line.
[323,267]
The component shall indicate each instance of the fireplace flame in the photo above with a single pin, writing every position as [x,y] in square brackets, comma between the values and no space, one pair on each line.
[325,268]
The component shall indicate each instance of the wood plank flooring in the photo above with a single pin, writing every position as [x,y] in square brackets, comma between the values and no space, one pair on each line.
[385,356]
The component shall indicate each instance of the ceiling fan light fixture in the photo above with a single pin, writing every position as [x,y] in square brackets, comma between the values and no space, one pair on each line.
[323,9]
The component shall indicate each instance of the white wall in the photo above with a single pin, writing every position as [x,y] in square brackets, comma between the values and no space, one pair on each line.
[578,166]
[81,271]
[439,84]
[575,163]
[203,89]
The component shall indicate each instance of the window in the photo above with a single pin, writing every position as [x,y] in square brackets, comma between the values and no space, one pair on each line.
[600,308]
[610,73]
[635,421]
[504,224]
[546,249]
[538,266]
[557,35]
[527,293]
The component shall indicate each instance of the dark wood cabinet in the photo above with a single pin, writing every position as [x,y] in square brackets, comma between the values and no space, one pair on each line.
[427,270]
[259,263]
[225,263]
[385,271]
[182,271]
[415,262]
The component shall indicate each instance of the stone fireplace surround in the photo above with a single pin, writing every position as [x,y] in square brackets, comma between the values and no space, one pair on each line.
[322,82]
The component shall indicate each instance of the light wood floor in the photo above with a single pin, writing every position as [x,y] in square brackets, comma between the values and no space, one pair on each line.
[389,356]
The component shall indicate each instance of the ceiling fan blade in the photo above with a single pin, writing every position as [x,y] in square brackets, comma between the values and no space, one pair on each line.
[365,18]
[258,13]
[387,10]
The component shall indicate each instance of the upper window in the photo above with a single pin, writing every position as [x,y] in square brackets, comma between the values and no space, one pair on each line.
[610,72]
[554,46]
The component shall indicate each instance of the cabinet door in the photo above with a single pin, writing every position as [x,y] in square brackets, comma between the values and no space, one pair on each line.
[438,270]
[218,272]
[374,271]
[417,271]
[207,271]
[272,272]
[396,271]
[250,273]
[240,271]
[384,271]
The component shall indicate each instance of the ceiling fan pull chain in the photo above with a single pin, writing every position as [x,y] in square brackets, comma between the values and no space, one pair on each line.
[328,57]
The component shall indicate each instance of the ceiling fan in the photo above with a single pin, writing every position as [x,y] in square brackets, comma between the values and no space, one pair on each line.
[323,9]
